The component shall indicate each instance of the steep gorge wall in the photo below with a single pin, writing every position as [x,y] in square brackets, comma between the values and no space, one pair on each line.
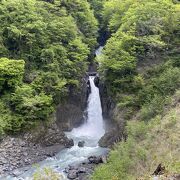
[71,113]
[113,117]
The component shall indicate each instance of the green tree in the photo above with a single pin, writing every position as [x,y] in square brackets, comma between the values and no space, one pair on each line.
[11,73]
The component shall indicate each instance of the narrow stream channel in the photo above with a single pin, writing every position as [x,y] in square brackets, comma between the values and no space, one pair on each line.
[90,132]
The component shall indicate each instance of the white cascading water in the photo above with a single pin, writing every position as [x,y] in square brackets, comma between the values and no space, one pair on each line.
[90,132]
[93,129]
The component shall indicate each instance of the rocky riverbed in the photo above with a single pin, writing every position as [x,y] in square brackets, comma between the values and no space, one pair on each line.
[84,170]
[30,148]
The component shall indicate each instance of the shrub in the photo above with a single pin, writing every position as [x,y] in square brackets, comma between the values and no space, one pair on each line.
[14,123]
[150,109]
[137,130]
[32,106]
[11,73]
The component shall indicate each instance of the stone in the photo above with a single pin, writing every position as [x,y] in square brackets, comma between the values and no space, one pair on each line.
[110,138]
[16,173]
[104,159]
[72,174]
[95,160]
[69,144]
[22,144]
[25,154]
[73,167]
[159,170]
[82,170]
[31,148]
[50,154]
[66,170]
[81,143]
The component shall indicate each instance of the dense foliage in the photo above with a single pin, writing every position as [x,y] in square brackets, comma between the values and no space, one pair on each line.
[11,73]
[53,39]
[97,6]
[84,18]
[145,35]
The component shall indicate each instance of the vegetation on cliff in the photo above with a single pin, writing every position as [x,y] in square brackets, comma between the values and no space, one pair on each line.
[148,145]
[143,34]
[140,68]
[44,47]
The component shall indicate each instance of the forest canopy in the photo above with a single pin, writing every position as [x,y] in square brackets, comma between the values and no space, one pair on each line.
[44,50]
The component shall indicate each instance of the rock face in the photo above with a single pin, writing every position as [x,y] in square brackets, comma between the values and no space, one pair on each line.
[113,119]
[106,101]
[96,81]
[110,137]
[30,148]
[71,113]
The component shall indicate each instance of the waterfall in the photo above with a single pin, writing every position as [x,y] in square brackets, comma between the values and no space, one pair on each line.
[93,128]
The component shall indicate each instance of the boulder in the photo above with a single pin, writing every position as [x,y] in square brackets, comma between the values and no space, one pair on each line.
[81,143]
[69,143]
[95,160]
[82,170]
[104,159]
[72,174]
[51,154]
[66,170]
[73,167]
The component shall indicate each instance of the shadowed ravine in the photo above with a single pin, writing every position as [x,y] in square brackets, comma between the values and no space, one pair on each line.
[90,132]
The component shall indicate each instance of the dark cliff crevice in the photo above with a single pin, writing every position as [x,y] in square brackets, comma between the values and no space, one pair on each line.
[72,113]
[104,35]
